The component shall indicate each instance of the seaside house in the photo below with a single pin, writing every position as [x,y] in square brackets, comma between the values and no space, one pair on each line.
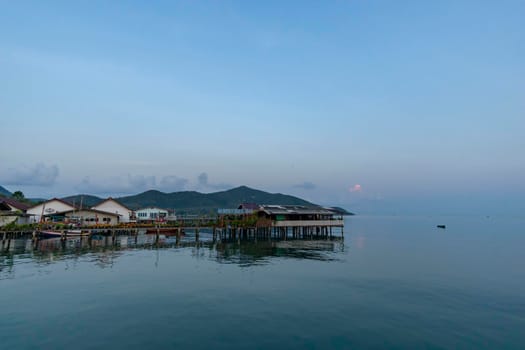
[110,205]
[51,206]
[84,217]
[249,206]
[300,216]
[12,211]
[152,214]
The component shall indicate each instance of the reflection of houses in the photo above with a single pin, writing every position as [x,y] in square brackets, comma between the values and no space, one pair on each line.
[85,217]
[152,214]
[12,211]
[112,206]
[51,206]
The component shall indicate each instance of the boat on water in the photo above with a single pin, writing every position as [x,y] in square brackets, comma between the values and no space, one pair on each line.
[66,233]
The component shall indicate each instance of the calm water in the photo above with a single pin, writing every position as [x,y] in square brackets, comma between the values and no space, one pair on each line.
[394,282]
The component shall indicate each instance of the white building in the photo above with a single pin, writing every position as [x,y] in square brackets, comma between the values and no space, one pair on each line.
[51,206]
[12,211]
[86,217]
[112,206]
[91,217]
[152,214]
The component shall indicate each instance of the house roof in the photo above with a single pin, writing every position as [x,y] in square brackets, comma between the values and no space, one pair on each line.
[54,199]
[146,208]
[14,203]
[4,206]
[111,199]
[252,206]
[294,209]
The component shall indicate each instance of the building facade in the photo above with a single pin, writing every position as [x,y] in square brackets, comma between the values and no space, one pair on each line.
[110,205]
[84,217]
[151,214]
[12,211]
[51,206]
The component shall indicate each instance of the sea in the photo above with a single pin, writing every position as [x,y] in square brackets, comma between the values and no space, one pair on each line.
[392,282]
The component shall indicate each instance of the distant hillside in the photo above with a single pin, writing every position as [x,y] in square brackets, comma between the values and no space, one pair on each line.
[5,192]
[192,202]
[200,203]
[86,199]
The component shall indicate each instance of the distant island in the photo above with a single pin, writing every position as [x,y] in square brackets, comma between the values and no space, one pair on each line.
[193,202]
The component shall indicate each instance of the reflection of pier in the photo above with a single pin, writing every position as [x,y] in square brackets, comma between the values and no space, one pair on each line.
[103,250]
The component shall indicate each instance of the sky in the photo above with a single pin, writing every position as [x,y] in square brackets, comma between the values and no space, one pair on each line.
[377,106]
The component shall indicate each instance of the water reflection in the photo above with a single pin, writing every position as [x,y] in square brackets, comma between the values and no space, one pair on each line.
[104,251]
[260,253]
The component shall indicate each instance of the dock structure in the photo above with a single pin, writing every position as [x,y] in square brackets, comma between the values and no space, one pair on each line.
[248,222]
[279,221]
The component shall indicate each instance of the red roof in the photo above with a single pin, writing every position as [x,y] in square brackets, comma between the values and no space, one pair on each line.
[56,199]
[14,203]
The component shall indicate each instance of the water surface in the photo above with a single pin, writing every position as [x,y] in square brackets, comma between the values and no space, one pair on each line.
[394,282]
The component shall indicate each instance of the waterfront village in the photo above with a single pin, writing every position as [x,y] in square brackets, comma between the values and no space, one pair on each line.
[60,217]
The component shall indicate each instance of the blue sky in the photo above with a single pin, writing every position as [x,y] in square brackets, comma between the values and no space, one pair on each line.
[365,104]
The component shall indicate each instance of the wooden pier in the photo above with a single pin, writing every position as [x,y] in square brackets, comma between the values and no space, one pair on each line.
[267,223]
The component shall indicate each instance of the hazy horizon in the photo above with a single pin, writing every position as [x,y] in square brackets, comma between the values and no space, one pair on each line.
[378,107]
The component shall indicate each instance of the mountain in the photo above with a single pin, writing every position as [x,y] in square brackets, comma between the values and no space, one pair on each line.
[192,202]
[5,192]
[87,200]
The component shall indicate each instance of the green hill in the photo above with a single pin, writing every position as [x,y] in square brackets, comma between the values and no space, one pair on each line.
[86,199]
[4,192]
[191,202]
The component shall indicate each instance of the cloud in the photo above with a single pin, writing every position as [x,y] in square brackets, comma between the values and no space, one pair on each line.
[123,185]
[203,179]
[131,184]
[173,183]
[37,175]
[204,184]
[306,186]
[355,188]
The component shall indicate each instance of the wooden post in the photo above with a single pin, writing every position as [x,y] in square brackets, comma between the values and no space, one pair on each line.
[197,234]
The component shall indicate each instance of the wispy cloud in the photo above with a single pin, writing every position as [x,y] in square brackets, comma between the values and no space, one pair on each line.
[117,184]
[306,186]
[131,184]
[173,183]
[39,174]
[204,184]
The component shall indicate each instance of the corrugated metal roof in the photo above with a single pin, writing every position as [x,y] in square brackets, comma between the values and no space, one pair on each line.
[294,209]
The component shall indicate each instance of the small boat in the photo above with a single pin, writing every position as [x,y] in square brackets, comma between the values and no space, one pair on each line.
[441,226]
[66,233]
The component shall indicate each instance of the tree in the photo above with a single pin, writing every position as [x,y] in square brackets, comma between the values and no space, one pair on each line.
[18,195]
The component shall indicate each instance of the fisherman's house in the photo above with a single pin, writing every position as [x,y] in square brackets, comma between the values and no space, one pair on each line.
[155,214]
[12,211]
[48,207]
[110,205]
